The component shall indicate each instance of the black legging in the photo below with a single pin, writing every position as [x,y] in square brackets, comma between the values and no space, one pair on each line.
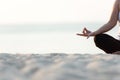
[107,43]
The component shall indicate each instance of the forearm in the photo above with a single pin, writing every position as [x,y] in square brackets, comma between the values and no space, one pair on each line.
[112,21]
[105,28]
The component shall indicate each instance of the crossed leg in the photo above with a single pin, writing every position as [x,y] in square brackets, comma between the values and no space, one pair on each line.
[107,43]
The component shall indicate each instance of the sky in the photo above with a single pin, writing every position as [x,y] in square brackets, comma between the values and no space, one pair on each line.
[54,11]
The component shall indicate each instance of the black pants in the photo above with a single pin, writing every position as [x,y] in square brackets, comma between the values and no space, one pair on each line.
[107,43]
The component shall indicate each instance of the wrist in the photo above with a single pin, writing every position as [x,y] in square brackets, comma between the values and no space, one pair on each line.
[94,33]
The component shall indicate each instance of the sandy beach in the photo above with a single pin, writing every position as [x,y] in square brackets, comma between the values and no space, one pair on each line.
[59,67]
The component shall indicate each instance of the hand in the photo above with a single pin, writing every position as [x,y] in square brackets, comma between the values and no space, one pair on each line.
[86,33]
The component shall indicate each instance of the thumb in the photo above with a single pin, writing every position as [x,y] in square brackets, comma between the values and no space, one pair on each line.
[88,37]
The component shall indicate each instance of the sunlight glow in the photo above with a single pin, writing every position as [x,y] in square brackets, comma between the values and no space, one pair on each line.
[54,11]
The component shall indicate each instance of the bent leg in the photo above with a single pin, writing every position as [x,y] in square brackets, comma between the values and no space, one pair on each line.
[107,43]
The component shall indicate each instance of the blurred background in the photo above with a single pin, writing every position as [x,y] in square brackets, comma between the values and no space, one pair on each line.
[50,26]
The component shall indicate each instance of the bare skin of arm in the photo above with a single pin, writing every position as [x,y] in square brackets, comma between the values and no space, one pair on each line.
[108,26]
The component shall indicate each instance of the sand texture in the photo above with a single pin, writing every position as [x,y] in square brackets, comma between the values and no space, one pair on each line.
[59,67]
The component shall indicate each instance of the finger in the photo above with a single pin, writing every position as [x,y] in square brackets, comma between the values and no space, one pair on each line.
[83,30]
[88,37]
[81,34]
[87,31]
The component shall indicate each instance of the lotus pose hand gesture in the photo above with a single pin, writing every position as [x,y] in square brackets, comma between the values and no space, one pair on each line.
[86,33]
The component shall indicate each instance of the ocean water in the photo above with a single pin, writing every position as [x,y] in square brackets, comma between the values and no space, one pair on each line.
[48,38]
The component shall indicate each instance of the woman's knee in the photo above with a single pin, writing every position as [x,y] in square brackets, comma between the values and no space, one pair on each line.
[105,42]
[100,38]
